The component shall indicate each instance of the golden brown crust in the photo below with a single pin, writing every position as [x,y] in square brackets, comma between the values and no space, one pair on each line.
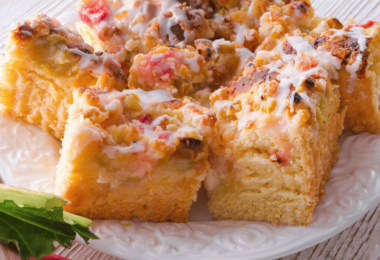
[44,64]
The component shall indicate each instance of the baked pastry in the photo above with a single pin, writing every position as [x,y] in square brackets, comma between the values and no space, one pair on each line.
[44,63]
[295,17]
[352,50]
[133,153]
[189,71]
[276,142]
[356,47]
[269,141]
[140,25]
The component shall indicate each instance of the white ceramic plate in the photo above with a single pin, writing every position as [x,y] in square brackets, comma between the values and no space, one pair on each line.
[28,158]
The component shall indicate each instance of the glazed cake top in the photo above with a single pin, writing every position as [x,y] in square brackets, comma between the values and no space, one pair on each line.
[61,53]
[296,71]
[155,118]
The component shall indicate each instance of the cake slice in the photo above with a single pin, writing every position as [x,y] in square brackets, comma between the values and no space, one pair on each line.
[133,154]
[276,142]
[188,71]
[43,64]
[357,48]
[142,24]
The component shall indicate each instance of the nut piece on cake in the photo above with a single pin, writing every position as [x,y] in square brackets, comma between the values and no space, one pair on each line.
[133,153]
[277,131]
[357,48]
[44,63]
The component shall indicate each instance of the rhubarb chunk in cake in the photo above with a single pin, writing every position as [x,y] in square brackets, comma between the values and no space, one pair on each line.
[188,71]
[44,63]
[277,131]
[180,71]
[133,153]
[357,48]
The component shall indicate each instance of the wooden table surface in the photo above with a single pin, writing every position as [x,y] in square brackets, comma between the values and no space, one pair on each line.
[359,241]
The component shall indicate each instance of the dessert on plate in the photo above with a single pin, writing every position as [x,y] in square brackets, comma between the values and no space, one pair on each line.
[133,154]
[43,64]
[277,130]
[283,84]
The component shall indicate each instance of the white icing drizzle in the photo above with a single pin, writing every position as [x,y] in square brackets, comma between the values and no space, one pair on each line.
[357,33]
[148,98]
[191,124]
[85,134]
[111,150]
[289,76]
[216,44]
[193,63]
[87,60]
[248,117]
[220,104]
[114,105]
[326,55]
[242,33]
[158,120]
[245,57]
[300,44]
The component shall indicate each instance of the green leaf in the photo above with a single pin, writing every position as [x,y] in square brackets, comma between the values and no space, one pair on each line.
[84,232]
[33,230]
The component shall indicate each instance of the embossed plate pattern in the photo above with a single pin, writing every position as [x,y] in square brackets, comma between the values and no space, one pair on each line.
[28,158]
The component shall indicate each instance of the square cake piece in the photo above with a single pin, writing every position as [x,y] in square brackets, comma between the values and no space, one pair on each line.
[44,63]
[133,154]
[357,48]
[276,142]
